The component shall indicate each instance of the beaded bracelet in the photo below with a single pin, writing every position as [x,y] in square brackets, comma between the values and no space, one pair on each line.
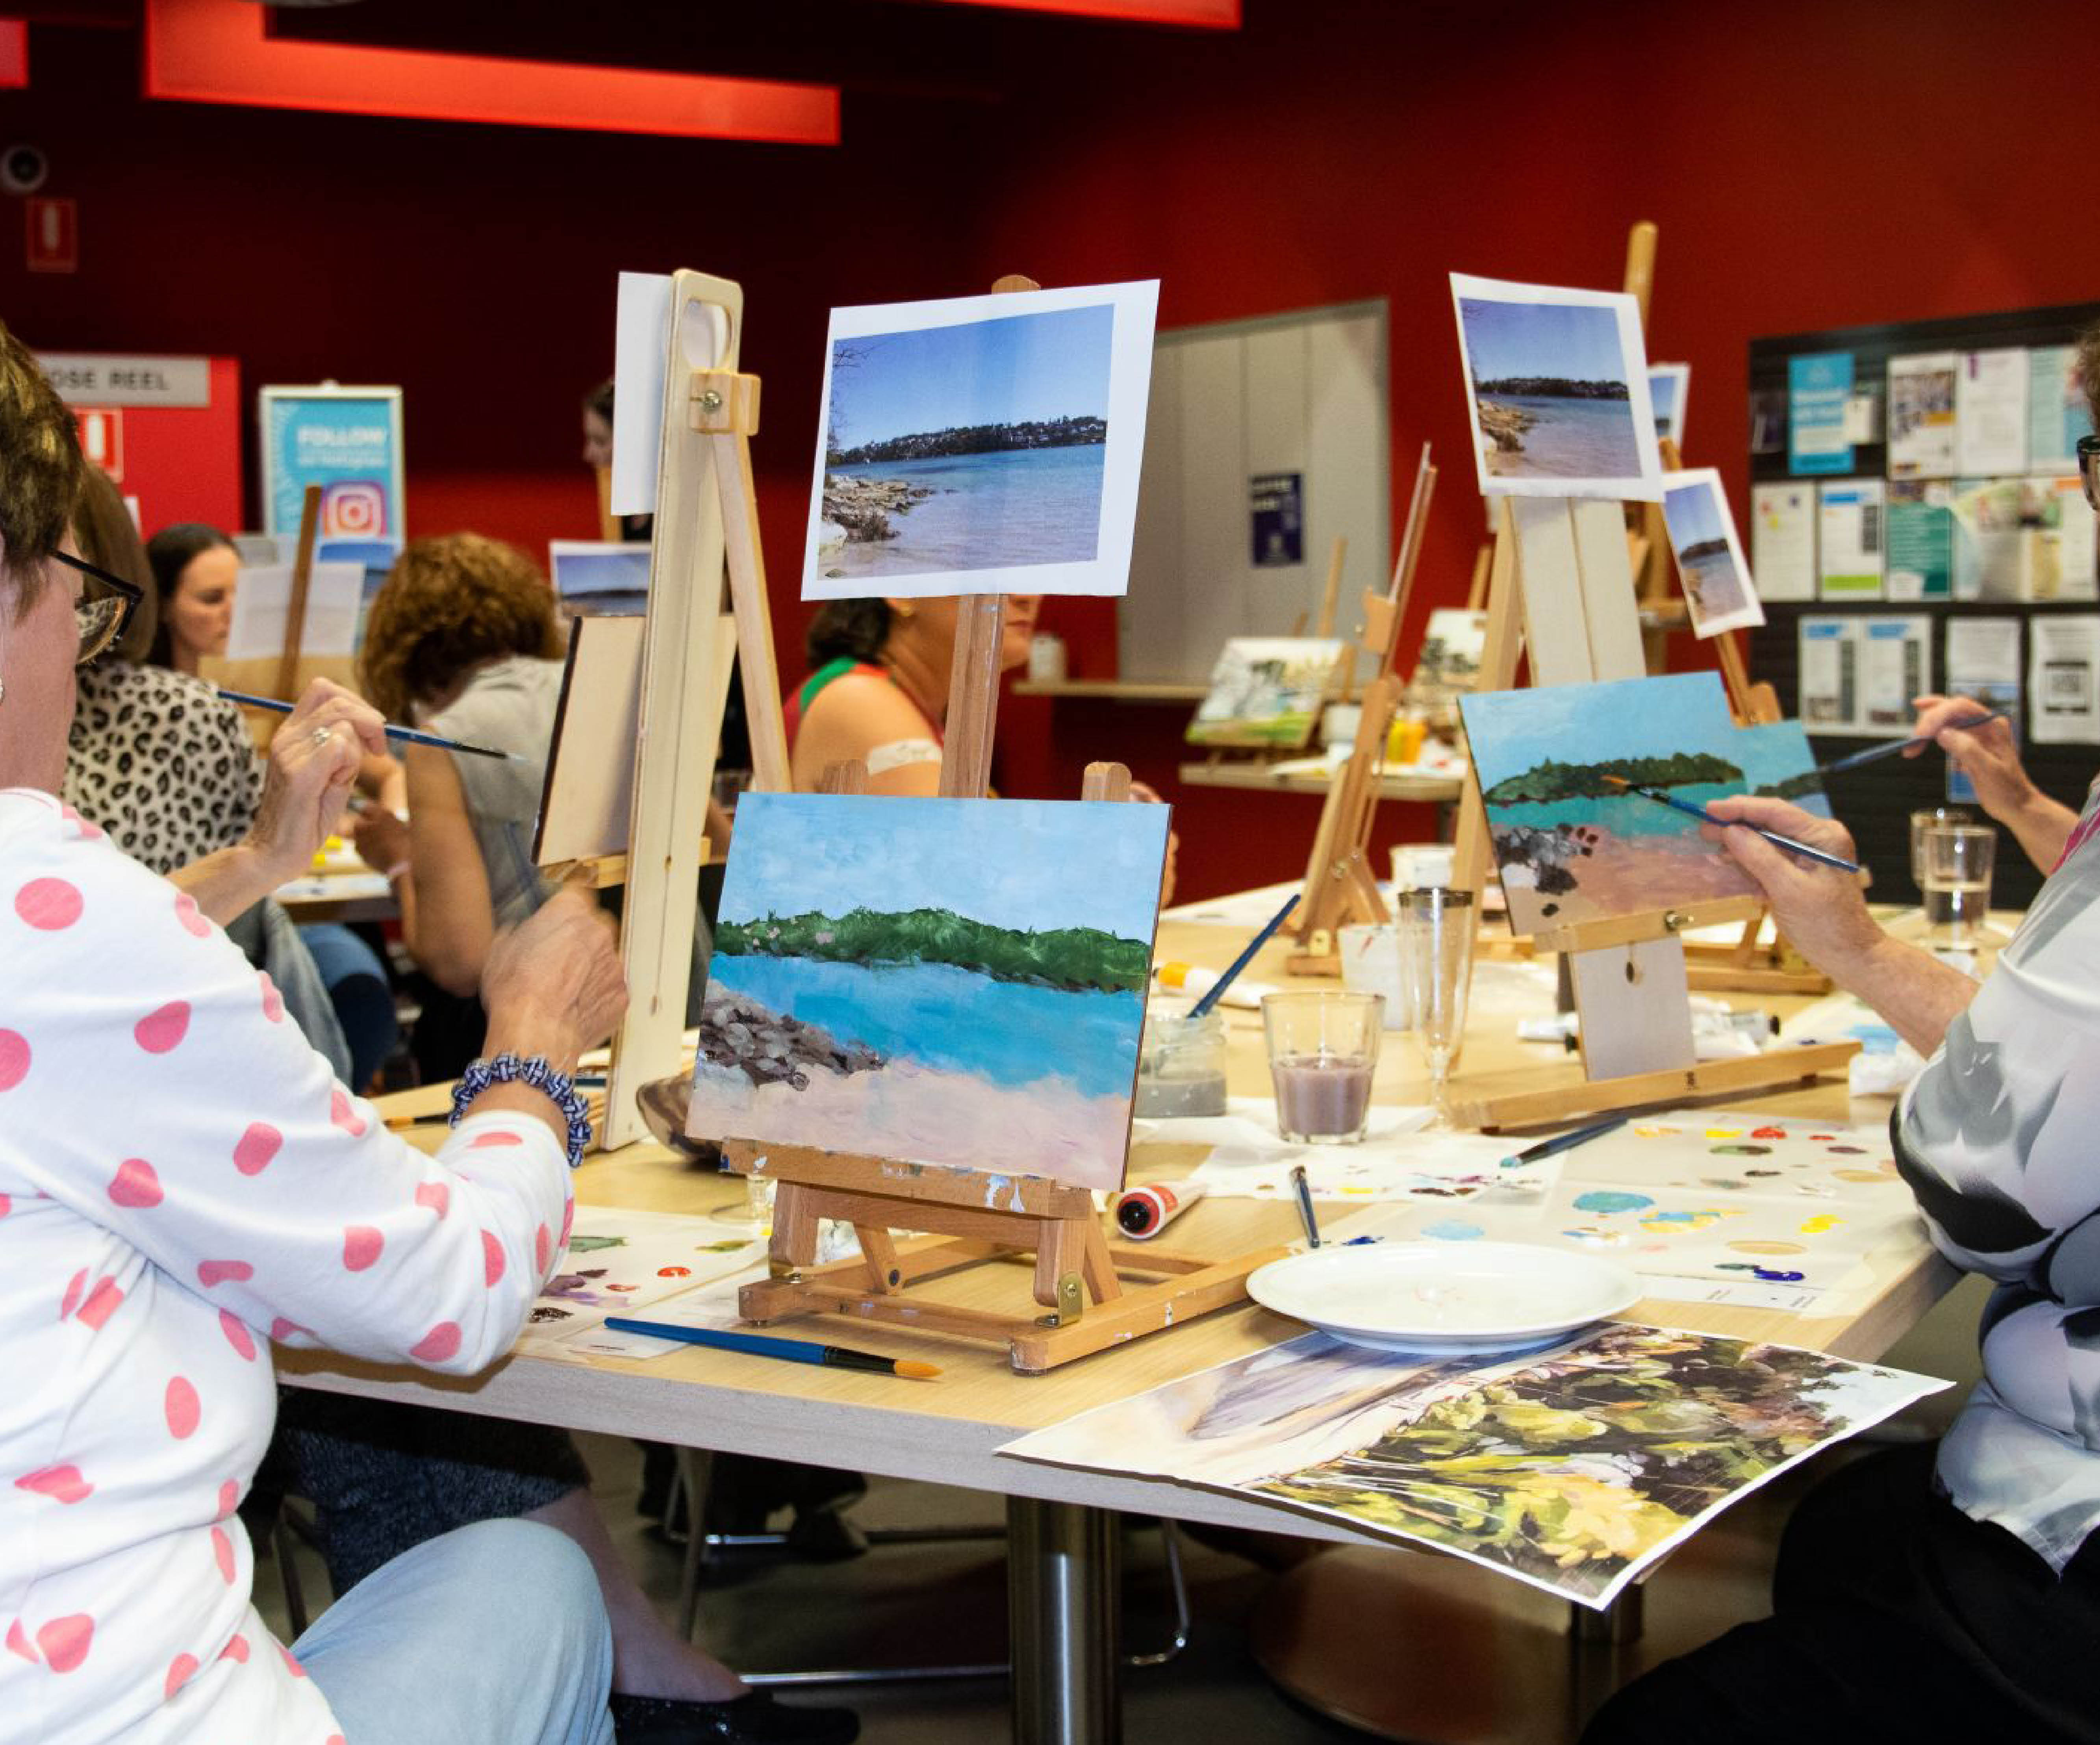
[557,1087]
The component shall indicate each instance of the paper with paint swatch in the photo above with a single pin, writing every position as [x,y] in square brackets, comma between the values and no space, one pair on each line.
[1571,1469]
[1694,1194]
[620,1261]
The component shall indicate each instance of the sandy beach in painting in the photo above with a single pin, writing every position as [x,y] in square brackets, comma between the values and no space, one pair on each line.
[904,1111]
[1621,876]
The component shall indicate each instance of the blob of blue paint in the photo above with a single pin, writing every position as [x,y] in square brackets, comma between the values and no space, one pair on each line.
[1610,1199]
[1774,1275]
[1453,1230]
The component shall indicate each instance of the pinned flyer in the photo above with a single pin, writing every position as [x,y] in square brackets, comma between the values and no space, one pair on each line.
[1557,388]
[981,444]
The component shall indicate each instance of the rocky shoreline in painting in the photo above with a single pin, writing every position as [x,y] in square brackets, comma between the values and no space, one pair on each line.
[770,1048]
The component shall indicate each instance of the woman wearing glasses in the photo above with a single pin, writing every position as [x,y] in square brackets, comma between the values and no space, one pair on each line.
[1950,1591]
[181,1181]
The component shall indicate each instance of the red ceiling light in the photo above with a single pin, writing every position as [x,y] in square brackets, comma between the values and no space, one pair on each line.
[14,54]
[1205,15]
[223,51]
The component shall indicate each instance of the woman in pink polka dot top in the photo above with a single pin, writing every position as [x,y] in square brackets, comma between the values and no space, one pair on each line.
[182,1181]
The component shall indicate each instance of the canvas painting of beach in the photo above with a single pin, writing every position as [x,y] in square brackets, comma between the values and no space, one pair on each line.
[1667,386]
[595,578]
[1719,591]
[1557,388]
[1572,847]
[956,982]
[1452,648]
[981,444]
[1571,1469]
[1267,690]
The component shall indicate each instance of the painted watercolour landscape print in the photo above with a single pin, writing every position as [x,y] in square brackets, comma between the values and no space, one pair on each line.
[1267,690]
[1718,589]
[981,444]
[1573,848]
[1571,1469]
[956,982]
[1557,387]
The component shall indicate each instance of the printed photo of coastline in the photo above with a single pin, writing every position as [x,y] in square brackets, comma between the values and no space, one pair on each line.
[954,982]
[983,444]
[1557,387]
[1667,386]
[1719,591]
[1574,846]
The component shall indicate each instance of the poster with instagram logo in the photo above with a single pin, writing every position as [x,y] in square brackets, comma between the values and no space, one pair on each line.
[348,440]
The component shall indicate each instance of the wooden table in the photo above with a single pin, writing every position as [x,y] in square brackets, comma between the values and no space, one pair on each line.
[1295,778]
[1063,1565]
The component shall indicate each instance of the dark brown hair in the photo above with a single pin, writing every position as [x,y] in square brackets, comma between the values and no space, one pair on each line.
[103,529]
[848,630]
[170,552]
[40,470]
[447,606]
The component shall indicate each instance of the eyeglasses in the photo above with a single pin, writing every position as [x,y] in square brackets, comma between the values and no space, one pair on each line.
[103,611]
[2089,468]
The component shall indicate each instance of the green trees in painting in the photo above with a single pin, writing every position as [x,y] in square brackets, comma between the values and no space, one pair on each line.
[1071,958]
[1553,781]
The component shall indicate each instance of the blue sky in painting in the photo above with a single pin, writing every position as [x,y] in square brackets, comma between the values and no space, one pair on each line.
[1021,863]
[1694,514]
[1579,341]
[1006,371]
[1511,731]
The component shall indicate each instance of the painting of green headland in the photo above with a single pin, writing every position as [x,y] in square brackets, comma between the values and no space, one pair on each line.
[978,445]
[1551,389]
[1573,847]
[938,981]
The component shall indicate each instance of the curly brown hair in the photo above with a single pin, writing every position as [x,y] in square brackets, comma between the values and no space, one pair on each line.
[2089,368]
[447,606]
[40,470]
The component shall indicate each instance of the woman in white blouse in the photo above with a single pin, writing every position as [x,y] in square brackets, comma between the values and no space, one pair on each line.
[182,1181]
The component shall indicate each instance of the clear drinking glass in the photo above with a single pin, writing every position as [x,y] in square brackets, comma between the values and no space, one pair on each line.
[1436,928]
[1959,860]
[1322,1048]
[1931,818]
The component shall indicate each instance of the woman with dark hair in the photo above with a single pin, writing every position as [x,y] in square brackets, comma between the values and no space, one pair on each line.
[879,692]
[194,570]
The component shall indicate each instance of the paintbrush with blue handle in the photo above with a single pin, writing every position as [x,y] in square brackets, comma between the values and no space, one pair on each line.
[1875,753]
[1704,816]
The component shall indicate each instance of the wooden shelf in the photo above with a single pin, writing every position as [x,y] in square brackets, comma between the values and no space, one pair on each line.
[1266,778]
[1116,690]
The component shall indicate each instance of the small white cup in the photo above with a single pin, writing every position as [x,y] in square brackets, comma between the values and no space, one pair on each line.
[1421,866]
[1371,965]
[1046,658]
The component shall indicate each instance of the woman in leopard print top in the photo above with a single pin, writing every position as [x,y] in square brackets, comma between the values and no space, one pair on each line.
[157,759]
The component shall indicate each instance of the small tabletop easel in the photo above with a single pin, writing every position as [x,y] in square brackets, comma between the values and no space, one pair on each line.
[1340,886]
[706,515]
[1567,565]
[968,1216]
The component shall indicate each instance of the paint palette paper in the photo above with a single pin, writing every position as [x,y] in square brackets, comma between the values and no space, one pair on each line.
[1249,1159]
[1726,1198]
[981,444]
[1572,848]
[1267,691]
[620,1261]
[956,982]
[1571,1469]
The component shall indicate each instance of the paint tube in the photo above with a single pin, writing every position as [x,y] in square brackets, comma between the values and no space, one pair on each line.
[1143,1212]
[1186,978]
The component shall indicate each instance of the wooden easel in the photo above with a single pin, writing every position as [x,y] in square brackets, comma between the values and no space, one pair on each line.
[1565,563]
[1340,886]
[969,1217]
[706,515]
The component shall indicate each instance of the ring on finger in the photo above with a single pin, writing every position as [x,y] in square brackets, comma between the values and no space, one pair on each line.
[322,736]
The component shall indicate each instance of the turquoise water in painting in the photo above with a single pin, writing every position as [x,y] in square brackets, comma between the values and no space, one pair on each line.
[988,511]
[1574,439]
[951,1020]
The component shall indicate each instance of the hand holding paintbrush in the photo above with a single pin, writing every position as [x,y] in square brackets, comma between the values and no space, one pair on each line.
[1791,844]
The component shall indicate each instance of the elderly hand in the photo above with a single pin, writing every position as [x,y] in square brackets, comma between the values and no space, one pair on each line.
[313,760]
[1821,911]
[1989,755]
[553,984]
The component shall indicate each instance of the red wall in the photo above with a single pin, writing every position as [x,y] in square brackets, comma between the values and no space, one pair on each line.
[1809,166]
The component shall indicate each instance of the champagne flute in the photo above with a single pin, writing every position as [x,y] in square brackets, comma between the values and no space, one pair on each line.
[1436,930]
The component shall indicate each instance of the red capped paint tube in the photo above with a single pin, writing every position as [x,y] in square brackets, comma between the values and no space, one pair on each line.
[1143,1212]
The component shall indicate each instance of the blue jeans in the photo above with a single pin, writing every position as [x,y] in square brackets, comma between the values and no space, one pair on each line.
[492,1634]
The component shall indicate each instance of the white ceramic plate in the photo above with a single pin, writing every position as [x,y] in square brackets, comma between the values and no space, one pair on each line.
[1444,1297]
